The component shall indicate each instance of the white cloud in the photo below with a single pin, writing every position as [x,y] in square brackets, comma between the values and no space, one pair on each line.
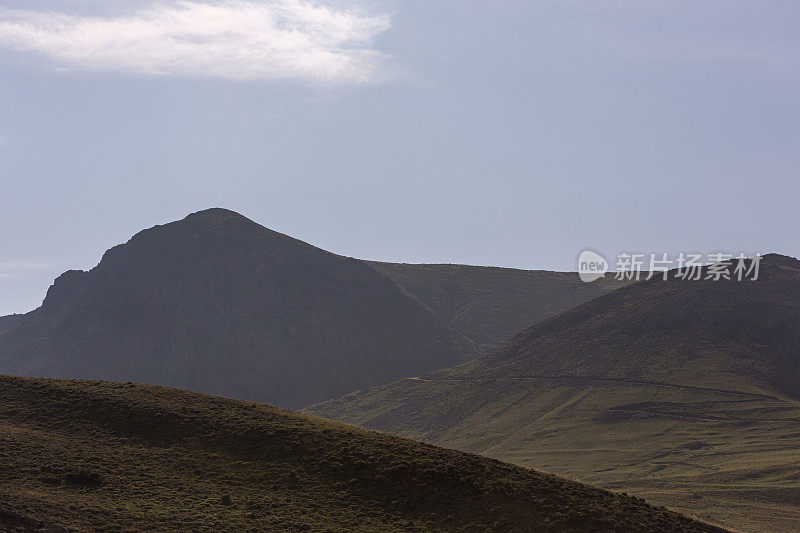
[242,40]
[3,142]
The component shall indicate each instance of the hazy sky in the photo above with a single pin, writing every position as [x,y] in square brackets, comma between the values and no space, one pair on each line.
[511,133]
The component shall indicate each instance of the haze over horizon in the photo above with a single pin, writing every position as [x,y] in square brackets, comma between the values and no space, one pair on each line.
[454,132]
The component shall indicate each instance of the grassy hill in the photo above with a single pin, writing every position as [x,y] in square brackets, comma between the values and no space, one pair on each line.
[489,305]
[219,304]
[122,456]
[683,392]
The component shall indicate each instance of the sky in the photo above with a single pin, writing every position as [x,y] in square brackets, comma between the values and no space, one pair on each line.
[506,132]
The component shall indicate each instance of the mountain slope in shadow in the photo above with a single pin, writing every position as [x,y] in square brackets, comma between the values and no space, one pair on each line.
[219,304]
[489,305]
[685,392]
[114,456]
[7,322]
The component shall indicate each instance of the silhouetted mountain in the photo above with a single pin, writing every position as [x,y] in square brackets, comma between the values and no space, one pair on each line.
[682,391]
[6,322]
[219,304]
[96,456]
[489,305]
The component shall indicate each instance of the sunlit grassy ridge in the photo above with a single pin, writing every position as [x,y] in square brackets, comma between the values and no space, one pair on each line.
[112,456]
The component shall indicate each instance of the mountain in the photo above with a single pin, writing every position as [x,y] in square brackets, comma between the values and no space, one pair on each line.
[219,304]
[7,322]
[685,392]
[115,456]
[489,305]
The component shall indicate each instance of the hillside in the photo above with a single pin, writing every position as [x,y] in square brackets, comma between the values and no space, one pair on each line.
[113,456]
[489,305]
[219,304]
[7,322]
[683,392]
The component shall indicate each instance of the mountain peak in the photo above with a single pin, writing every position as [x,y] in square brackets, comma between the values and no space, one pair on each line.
[210,217]
[218,303]
[218,212]
[780,261]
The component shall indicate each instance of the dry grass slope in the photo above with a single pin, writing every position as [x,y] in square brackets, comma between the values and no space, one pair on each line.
[113,456]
